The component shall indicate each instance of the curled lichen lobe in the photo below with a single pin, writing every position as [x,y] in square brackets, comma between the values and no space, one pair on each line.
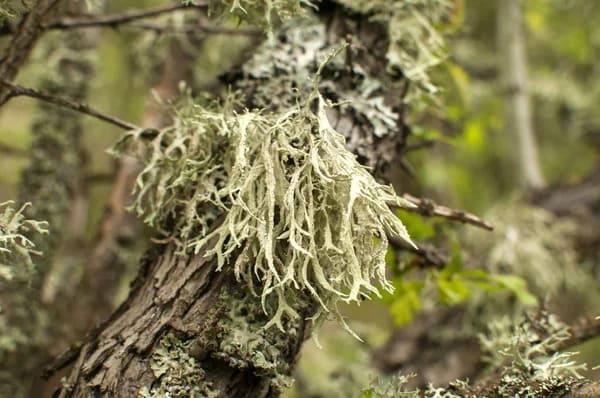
[297,212]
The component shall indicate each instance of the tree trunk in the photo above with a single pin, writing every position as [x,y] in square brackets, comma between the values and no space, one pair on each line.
[511,42]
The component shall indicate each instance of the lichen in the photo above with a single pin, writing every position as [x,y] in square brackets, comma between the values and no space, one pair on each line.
[415,43]
[16,249]
[524,358]
[10,9]
[177,373]
[281,71]
[265,13]
[530,347]
[530,242]
[244,342]
[296,211]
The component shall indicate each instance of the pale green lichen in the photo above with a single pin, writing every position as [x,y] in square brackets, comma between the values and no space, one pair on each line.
[281,71]
[244,343]
[415,43]
[177,373]
[11,9]
[296,211]
[265,13]
[16,249]
[525,362]
[531,347]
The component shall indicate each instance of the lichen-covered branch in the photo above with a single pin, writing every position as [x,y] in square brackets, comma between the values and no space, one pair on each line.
[22,41]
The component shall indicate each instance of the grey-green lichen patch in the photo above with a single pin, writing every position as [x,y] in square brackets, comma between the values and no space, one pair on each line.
[281,71]
[16,248]
[265,13]
[416,44]
[244,342]
[177,373]
[524,358]
[297,211]
[531,346]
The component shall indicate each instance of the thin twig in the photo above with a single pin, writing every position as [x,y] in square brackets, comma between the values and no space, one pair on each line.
[428,207]
[191,29]
[20,91]
[120,19]
[12,151]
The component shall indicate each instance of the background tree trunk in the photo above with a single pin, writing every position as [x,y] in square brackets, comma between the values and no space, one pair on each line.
[513,68]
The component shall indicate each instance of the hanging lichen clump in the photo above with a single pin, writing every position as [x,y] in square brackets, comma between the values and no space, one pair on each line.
[274,196]
[415,43]
[263,13]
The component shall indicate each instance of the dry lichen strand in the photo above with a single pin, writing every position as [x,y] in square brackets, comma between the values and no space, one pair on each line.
[265,13]
[299,212]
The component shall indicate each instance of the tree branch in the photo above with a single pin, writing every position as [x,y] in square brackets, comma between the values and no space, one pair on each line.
[22,42]
[429,208]
[199,28]
[116,20]
[15,90]
[12,151]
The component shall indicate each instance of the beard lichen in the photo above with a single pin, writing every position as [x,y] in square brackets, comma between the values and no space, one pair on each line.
[296,211]
[370,107]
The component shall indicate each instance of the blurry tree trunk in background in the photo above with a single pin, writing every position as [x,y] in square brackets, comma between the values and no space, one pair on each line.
[119,228]
[513,68]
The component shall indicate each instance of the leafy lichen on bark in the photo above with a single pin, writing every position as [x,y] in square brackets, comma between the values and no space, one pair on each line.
[177,373]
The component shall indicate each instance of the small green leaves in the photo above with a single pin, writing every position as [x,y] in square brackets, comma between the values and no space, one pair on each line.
[405,301]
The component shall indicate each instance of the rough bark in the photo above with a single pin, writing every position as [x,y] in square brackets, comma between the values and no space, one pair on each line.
[187,297]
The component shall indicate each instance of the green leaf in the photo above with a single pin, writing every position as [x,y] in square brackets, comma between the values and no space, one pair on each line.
[518,286]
